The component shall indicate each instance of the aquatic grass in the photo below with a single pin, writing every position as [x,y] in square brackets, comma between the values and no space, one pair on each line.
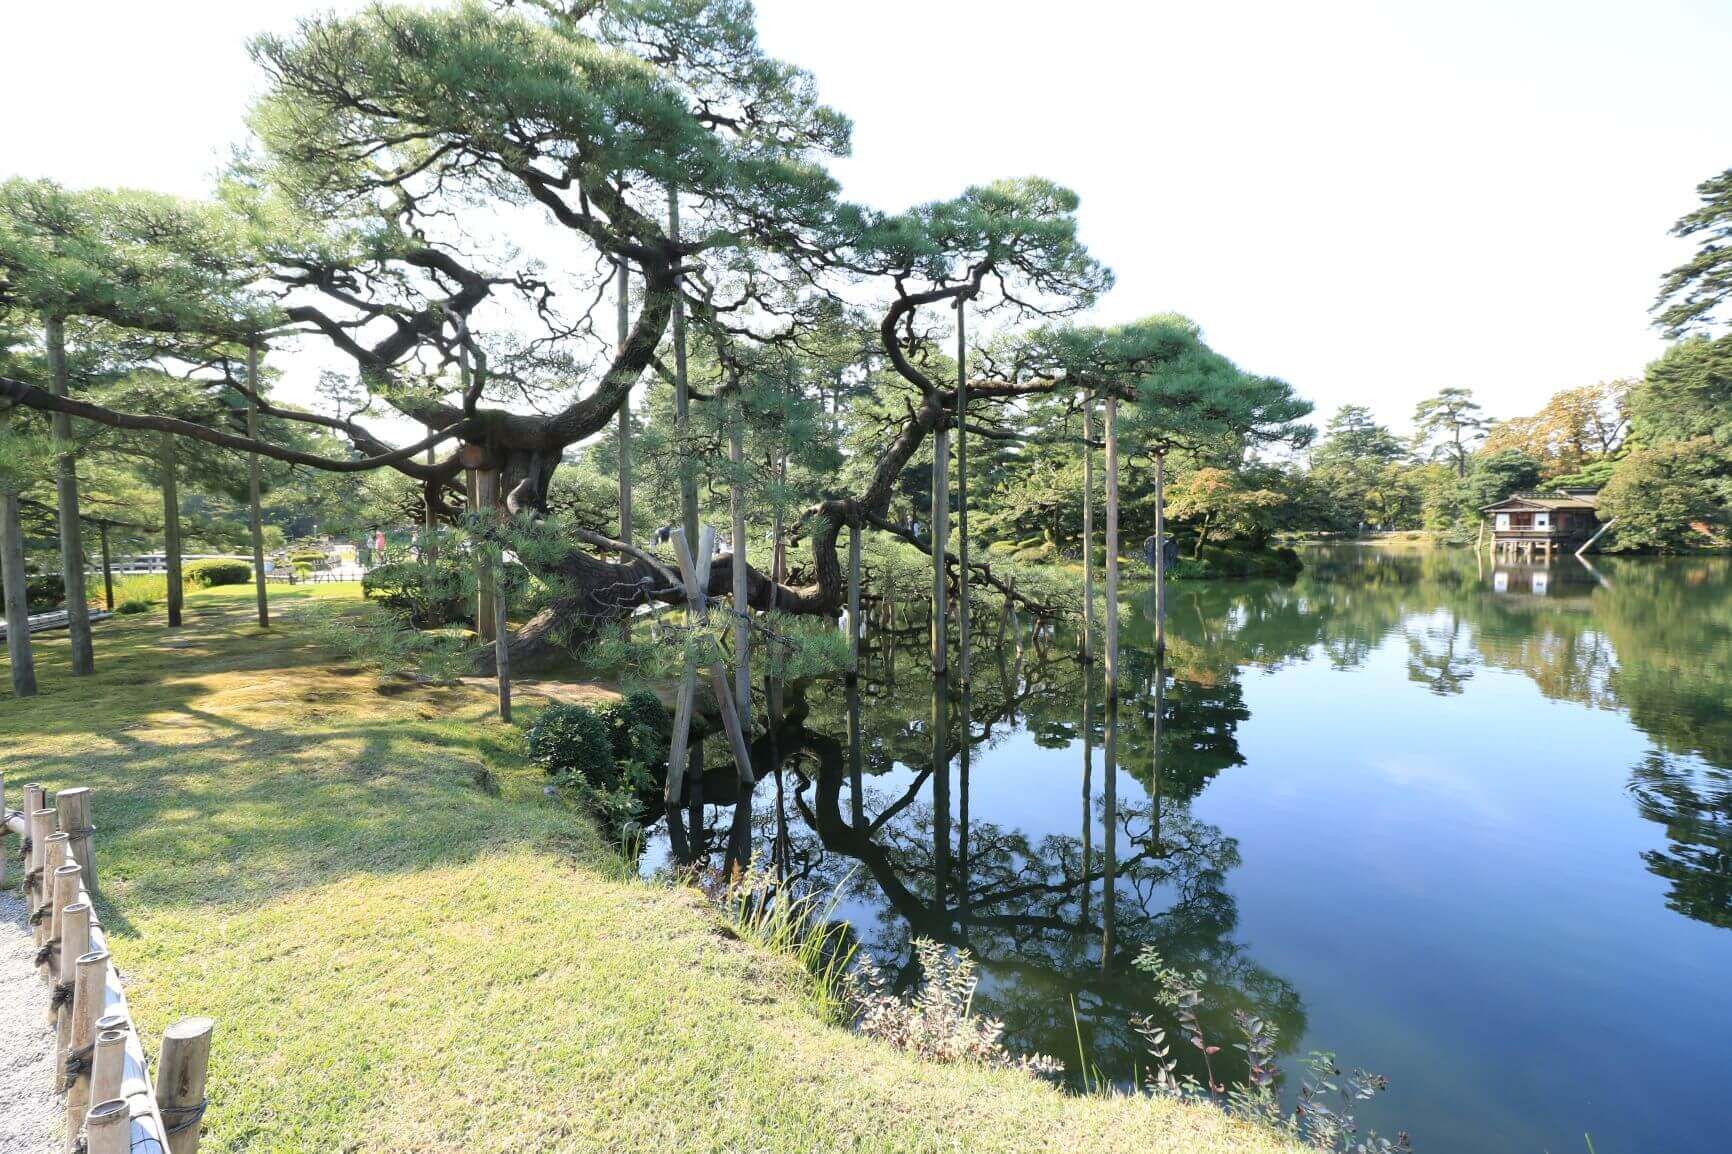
[799,926]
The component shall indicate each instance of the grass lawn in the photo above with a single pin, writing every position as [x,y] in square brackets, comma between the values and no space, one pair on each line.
[407,946]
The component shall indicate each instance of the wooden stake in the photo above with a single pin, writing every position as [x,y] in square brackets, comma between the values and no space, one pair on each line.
[66,494]
[171,529]
[44,917]
[17,602]
[41,824]
[66,886]
[502,641]
[72,814]
[89,992]
[110,1128]
[255,514]
[180,1078]
[486,621]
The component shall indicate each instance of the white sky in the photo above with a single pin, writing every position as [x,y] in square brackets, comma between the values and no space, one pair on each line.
[1371,200]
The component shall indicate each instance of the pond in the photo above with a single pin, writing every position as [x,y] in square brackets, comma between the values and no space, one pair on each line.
[1464,825]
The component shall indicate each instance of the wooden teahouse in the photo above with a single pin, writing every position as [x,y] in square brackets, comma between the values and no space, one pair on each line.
[1536,526]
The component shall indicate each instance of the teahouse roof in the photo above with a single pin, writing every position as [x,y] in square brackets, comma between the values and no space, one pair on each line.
[1545,501]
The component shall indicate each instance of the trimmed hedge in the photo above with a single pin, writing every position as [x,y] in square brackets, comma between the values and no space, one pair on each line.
[218,571]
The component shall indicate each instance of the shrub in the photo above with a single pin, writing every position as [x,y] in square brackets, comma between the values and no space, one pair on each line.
[136,605]
[427,595]
[639,728]
[218,571]
[44,591]
[149,588]
[310,560]
[574,742]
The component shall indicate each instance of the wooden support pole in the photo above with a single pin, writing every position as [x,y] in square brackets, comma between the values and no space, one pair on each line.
[682,395]
[964,653]
[171,528]
[1087,638]
[89,992]
[107,567]
[72,815]
[17,599]
[486,622]
[1112,607]
[110,1125]
[737,511]
[718,670]
[940,530]
[625,528]
[66,498]
[255,514]
[680,750]
[1160,552]
[853,602]
[180,1080]
[502,640]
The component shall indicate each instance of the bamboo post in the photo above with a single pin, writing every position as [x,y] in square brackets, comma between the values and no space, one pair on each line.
[42,918]
[66,500]
[108,1062]
[963,647]
[171,530]
[180,1080]
[66,884]
[72,814]
[89,992]
[255,515]
[853,602]
[74,944]
[107,567]
[110,1128]
[17,599]
[1112,614]
[1088,621]
[41,825]
[742,607]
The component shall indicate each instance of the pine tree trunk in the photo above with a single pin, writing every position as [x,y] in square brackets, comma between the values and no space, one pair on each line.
[66,492]
[17,602]
[256,515]
[171,530]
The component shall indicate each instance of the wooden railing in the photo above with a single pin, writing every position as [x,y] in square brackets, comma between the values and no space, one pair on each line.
[112,1107]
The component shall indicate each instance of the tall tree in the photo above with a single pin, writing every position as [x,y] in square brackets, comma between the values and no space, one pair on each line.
[1447,424]
[1695,295]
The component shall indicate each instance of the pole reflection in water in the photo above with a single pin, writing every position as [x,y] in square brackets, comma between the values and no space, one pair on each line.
[963,745]
[941,795]
[1110,820]
[856,789]
[1088,797]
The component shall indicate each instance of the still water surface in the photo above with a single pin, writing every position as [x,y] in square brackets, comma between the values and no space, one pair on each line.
[1469,828]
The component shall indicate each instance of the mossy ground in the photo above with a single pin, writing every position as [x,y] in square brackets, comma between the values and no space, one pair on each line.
[407,946]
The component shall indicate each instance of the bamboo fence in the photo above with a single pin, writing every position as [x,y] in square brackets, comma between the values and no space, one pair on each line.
[112,1106]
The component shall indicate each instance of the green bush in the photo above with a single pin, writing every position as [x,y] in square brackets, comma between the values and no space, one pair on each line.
[136,605]
[310,560]
[573,743]
[639,728]
[218,571]
[428,595]
[44,592]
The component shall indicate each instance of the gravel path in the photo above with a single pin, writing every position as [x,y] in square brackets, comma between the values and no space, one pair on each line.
[29,1119]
